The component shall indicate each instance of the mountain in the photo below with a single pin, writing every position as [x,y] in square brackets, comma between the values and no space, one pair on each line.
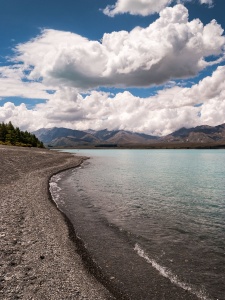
[199,134]
[64,137]
[47,135]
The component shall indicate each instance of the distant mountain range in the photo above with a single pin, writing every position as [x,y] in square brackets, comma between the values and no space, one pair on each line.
[199,134]
[64,137]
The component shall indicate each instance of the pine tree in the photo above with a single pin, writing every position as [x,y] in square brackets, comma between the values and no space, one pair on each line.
[10,135]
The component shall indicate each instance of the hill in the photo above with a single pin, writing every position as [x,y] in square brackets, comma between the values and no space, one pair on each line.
[64,137]
[197,136]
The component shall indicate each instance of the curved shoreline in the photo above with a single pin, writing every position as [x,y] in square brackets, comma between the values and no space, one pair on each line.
[86,257]
[90,264]
[39,259]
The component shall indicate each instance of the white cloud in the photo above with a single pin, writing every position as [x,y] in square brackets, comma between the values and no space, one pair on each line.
[161,114]
[144,7]
[208,2]
[136,7]
[171,47]
[12,84]
[10,87]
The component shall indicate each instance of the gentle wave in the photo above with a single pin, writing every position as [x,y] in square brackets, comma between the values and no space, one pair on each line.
[168,274]
[55,189]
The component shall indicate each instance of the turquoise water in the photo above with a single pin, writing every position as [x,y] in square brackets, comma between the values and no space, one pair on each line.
[167,206]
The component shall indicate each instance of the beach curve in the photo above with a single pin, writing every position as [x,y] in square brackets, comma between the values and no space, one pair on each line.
[38,257]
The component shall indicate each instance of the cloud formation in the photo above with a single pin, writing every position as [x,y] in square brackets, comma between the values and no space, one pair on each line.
[208,2]
[12,84]
[168,110]
[169,48]
[72,66]
[143,7]
[136,7]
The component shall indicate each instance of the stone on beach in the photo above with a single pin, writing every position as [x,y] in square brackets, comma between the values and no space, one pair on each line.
[38,260]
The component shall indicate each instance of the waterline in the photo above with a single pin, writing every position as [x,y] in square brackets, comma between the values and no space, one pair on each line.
[168,274]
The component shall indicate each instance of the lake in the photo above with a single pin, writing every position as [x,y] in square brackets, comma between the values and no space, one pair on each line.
[153,221]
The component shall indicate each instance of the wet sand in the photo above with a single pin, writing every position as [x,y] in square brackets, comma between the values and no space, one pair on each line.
[38,259]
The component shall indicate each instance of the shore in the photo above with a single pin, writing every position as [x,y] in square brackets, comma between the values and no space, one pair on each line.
[38,259]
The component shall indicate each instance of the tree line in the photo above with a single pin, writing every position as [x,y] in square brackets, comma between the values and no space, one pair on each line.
[10,135]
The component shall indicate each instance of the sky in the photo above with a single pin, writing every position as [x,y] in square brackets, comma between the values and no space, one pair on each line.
[150,66]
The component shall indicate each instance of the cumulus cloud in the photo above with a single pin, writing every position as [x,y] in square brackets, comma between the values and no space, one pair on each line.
[143,7]
[208,2]
[171,47]
[10,87]
[20,116]
[168,110]
[12,84]
[71,65]
[136,7]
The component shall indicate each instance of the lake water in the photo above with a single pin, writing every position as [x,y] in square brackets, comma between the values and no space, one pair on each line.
[152,220]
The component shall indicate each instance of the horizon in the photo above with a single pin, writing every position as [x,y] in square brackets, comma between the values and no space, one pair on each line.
[146,67]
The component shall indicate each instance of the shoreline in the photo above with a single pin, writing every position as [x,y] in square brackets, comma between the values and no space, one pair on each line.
[40,254]
[90,264]
[86,257]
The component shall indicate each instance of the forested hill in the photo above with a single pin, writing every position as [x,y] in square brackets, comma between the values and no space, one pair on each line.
[10,135]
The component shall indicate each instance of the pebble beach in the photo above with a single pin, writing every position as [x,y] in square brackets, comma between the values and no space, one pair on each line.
[38,259]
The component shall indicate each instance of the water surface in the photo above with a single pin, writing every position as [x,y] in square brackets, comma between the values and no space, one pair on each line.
[153,220]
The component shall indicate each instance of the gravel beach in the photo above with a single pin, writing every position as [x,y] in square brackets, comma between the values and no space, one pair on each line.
[38,260]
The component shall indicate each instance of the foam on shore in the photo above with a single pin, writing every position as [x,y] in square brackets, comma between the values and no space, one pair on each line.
[168,274]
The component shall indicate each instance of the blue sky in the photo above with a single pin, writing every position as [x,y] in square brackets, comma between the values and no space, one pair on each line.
[82,64]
